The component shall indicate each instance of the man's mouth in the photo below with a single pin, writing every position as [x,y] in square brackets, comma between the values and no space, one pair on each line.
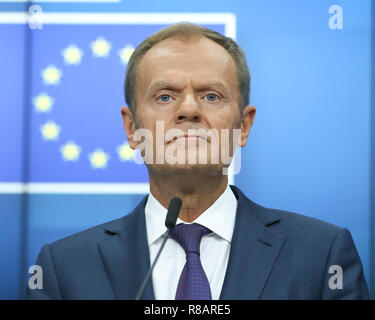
[188,137]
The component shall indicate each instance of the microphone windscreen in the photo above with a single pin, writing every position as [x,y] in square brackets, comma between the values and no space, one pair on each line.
[173,210]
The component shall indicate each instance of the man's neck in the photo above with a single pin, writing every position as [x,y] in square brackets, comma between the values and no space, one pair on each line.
[197,193]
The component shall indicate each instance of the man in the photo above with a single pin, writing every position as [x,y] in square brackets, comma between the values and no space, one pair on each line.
[224,246]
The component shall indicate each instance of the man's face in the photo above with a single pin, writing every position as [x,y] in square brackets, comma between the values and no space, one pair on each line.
[187,84]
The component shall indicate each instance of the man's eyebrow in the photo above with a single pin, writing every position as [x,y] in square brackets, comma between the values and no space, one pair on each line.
[166,85]
[216,85]
[161,85]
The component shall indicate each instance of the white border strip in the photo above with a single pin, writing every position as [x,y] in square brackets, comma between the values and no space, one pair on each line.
[74,188]
[11,187]
[228,19]
[13,17]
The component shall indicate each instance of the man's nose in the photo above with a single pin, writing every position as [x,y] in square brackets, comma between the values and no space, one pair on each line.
[188,110]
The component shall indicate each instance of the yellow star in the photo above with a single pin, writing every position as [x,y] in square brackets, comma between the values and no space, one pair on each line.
[98,159]
[51,75]
[125,53]
[72,54]
[70,151]
[100,47]
[50,130]
[43,102]
[125,153]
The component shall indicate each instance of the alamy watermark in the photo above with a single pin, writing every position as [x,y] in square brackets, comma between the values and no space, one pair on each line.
[36,280]
[194,146]
[336,281]
[336,20]
[35,17]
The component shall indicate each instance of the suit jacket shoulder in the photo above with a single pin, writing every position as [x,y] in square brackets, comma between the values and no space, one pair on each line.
[296,226]
[303,253]
[97,233]
[88,264]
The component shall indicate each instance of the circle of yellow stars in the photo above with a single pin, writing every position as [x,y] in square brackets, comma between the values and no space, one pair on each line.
[43,103]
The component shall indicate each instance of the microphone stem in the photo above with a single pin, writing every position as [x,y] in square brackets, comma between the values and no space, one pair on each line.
[144,283]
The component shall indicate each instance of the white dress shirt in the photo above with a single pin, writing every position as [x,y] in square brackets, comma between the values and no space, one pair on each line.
[214,247]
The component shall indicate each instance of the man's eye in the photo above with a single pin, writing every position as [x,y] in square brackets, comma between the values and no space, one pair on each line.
[211,97]
[164,98]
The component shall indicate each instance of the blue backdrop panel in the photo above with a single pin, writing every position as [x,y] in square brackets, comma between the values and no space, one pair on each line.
[12,80]
[10,245]
[309,151]
[12,68]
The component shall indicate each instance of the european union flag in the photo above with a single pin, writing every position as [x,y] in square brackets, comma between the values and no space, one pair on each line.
[75,85]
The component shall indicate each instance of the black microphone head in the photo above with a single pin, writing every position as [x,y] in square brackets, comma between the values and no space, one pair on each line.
[173,210]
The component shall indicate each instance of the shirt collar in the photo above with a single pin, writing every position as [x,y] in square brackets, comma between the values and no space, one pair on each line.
[219,217]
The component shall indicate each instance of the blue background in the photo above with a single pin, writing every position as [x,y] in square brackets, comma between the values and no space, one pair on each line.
[311,149]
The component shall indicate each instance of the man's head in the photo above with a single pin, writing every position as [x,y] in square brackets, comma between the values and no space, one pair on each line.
[188,31]
[188,77]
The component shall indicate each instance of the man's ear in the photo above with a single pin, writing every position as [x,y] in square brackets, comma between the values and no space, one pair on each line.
[247,121]
[129,126]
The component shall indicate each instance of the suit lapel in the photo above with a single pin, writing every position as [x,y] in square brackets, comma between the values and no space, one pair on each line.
[254,250]
[125,255]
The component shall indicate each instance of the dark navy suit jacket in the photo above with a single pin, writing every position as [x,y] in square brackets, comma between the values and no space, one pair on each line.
[274,255]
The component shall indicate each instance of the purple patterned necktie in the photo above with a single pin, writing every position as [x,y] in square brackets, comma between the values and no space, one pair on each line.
[193,283]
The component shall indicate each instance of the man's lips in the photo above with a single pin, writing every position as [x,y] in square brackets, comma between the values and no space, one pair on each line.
[187,137]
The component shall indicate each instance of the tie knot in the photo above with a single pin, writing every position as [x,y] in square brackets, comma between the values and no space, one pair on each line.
[189,236]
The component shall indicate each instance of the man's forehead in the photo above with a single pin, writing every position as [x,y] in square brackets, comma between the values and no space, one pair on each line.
[176,55]
[200,46]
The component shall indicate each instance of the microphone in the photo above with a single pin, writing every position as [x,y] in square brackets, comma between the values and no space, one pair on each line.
[170,222]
